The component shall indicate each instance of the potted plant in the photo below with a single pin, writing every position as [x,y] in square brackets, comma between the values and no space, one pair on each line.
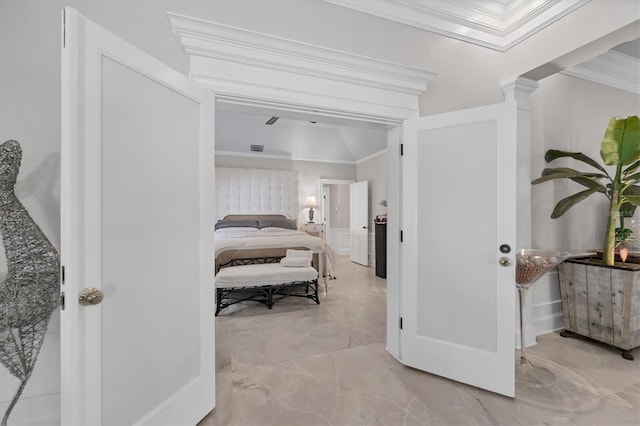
[620,148]
[600,304]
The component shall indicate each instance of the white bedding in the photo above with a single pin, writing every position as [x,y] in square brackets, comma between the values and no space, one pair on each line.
[272,237]
[253,238]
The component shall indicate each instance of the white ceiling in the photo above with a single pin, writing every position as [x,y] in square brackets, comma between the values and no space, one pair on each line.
[296,139]
[496,24]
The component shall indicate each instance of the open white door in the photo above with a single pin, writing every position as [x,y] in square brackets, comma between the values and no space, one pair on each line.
[137,224]
[459,207]
[358,222]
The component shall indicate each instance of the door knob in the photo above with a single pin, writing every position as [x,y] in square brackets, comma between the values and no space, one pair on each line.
[90,296]
[504,261]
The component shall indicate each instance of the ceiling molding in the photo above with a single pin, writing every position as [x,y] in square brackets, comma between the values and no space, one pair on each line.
[496,24]
[283,157]
[240,65]
[612,69]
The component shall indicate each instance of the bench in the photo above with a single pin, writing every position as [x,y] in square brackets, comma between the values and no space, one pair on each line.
[263,280]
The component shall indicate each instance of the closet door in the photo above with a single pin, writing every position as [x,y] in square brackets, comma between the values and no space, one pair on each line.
[137,230]
[459,207]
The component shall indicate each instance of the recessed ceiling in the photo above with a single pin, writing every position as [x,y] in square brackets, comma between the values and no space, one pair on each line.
[496,24]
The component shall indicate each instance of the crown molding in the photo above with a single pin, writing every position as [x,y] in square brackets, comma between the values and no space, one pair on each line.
[215,40]
[281,157]
[612,69]
[243,66]
[487,23]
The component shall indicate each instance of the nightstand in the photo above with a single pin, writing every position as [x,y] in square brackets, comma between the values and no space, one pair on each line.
[314,229]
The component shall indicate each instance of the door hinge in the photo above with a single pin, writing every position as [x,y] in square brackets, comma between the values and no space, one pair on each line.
[62,301]
[401,149]
[62,274]
[401,236]
[400,323]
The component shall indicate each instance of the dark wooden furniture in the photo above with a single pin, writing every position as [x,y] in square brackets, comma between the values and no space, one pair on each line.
[381,249]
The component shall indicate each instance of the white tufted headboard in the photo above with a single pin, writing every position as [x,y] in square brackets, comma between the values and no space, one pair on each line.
[256,191]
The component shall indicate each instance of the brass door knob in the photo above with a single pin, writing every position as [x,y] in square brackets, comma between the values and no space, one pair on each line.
[504,261]
[90,296]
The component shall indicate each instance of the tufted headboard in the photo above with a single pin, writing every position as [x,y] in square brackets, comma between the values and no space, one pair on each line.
[256,191]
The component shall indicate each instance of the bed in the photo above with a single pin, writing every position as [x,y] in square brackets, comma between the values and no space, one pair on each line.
[260,236]
[257,212]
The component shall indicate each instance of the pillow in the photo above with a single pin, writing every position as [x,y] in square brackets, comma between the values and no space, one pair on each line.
[277,223]
[236,224]
[295,262]
[299,253]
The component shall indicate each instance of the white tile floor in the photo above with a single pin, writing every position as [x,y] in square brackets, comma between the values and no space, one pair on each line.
[308,364]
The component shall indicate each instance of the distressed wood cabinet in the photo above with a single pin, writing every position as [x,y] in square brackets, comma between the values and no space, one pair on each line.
[601,302]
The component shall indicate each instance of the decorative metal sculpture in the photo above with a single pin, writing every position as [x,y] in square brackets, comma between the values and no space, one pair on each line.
[30,292]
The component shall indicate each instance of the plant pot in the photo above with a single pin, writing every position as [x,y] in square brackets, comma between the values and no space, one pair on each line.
[602,302]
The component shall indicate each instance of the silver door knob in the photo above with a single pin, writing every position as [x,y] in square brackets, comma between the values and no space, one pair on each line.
[504,261]
[90,296]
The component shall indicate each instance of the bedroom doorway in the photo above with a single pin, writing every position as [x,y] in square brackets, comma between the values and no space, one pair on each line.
[335,209]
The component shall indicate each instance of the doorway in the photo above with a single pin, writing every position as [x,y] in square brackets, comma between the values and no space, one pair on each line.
[335,209]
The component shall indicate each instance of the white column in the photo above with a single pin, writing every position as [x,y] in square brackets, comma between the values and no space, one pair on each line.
[519,89]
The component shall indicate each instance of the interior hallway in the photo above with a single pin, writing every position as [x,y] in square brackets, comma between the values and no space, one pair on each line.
[308,364]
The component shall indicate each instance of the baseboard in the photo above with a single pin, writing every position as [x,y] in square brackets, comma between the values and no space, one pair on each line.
[547,316]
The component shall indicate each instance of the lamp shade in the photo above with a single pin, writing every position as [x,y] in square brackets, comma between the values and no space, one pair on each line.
[311,202]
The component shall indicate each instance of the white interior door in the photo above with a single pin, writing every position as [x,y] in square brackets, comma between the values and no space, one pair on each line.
[358,222]
[459,206]
[137,224]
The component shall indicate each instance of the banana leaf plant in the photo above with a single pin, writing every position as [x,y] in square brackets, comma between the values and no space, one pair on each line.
[619,148]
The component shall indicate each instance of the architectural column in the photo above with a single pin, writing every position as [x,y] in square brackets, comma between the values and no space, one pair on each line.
[518,90]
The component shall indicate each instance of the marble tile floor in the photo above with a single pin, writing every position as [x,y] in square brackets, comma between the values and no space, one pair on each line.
[307,364]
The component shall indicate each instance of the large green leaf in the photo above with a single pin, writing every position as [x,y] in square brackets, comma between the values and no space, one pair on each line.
[553,154]
[632,168]
[631,180]
[566,173]
[566,203]
[621,143]
[633,199]
[589,183]
[630,195]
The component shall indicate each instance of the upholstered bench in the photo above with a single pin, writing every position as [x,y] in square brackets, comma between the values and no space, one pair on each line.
[263,280]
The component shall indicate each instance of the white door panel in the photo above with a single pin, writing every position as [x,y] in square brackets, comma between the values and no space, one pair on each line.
[458,208]
[358,222]
[137,209]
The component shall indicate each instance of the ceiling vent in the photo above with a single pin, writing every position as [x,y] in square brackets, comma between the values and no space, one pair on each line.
[257,148]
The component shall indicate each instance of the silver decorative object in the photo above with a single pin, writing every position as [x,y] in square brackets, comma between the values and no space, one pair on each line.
[30,292]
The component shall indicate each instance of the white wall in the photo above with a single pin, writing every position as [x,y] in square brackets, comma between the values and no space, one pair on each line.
[30,76]
[309,173]
[569,114]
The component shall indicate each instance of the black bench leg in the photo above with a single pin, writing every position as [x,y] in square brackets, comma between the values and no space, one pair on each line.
[269,301]
[314,296]
[218,301]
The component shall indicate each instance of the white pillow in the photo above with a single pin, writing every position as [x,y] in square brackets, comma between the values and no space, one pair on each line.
[299,253]
[295,262]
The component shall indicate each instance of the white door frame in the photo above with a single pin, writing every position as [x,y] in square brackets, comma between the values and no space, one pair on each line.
[254,70]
